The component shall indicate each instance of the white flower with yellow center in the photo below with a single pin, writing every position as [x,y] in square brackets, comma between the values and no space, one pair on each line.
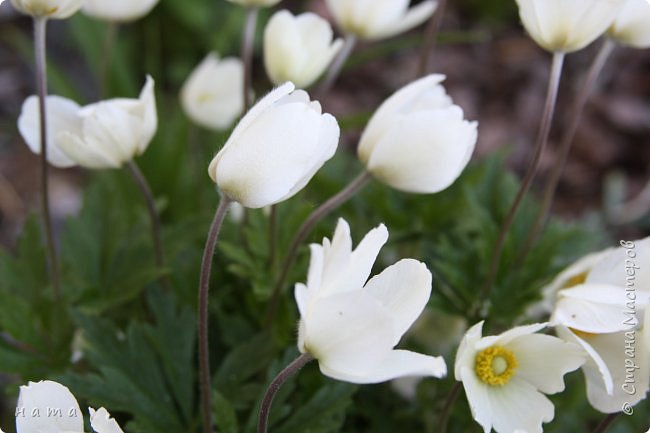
[506,376]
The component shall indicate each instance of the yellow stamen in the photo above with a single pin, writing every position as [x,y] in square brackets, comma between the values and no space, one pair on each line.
[582,334]
[576,280]
[495,365]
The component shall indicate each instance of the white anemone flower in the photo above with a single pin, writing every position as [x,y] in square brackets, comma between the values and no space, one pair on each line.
[632,25]
[351,325]
[119,11]
[506,376]
[57,9]
[48,406]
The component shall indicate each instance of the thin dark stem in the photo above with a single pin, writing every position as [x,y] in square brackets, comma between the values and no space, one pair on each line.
[430,34]
[337,65]
[274,387]
[273,234]
[606,422]
[105,62]
[449,404]
[542,139]
[304,230]
[566,144]
[40,25]
[204,289]
[248,44]
[145,189]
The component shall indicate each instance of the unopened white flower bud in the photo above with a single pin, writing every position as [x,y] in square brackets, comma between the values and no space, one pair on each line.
[632,25]
[118,10]
[57,9]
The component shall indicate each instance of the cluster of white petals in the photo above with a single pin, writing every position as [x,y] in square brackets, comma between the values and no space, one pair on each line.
[506,376]
[298,48]
[118,10]
[48,406]
[418,140]
[57,9]
[275,149]
[211,96]
[378,19]
[567,25]
[105,134]
[351,325]
[632,25]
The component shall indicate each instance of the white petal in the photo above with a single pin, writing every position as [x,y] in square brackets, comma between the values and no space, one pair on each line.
[508,336]
[631,25]
[48,406]
[149,117]
[118,10]
[77,149]
[302,297]
[477,396]
[519,406]
[465,356]
[403,289]
[102,422]
[414,17]
[624,267]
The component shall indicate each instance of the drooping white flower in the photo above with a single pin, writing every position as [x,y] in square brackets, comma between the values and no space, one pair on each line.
[351,325]
[378,19]
[112,132]
[418,141]
[211,95]
[632,25]
[57,9]
[61,116]
[276,149]
[567,25]
[506,376]
[298,48]
[118,10]
[48,406]
[255,3]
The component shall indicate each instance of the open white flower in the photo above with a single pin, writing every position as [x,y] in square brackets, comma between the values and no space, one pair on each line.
[298,48]
[351,326]
[418,141]
[255,3]
[378,19]
[212,96]
[632,25]
[112,132]
[62,115]
[276,149]
[118,10]
[57,9]
[567,25]
[48,406]
[506,376]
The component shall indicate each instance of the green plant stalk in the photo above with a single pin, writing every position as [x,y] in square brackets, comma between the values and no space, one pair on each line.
[337,65]
[40,28]
[606,422]
[248,45]
[274,387]
[540,146]
[307,226]
[204,289]
[112,29]
[430,34]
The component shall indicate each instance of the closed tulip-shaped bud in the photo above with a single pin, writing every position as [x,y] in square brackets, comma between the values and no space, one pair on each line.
[62,115]
[298,48]
[567,25]
[255,3]
[118,10]
[211,96]
[57,9]
[110,133]
[275,149]
[378,19]
[418,141]
[632,25]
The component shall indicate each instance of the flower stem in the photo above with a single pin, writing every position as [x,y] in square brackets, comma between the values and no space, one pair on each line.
[336,66]
[335,201]
[542,139]
[105,62]
[566,143]
[606,422]
[274,387]
[145,189]
[449,404]
[248,43]
[430,34]
[204,288]
[40,25]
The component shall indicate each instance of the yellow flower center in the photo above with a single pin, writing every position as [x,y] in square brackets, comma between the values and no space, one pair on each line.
[576,280]
[582,334]
[495,365]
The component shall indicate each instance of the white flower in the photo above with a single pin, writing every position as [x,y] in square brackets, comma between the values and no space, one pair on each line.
[632,25]
[61,116]
[48,406]
[276,149]
[298,48]
[212,95]
[378,19]
[118,10]
[112,132]
[351,326]
[567,25]
[418,141]
[506,376]
[255,3]
[57,9]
